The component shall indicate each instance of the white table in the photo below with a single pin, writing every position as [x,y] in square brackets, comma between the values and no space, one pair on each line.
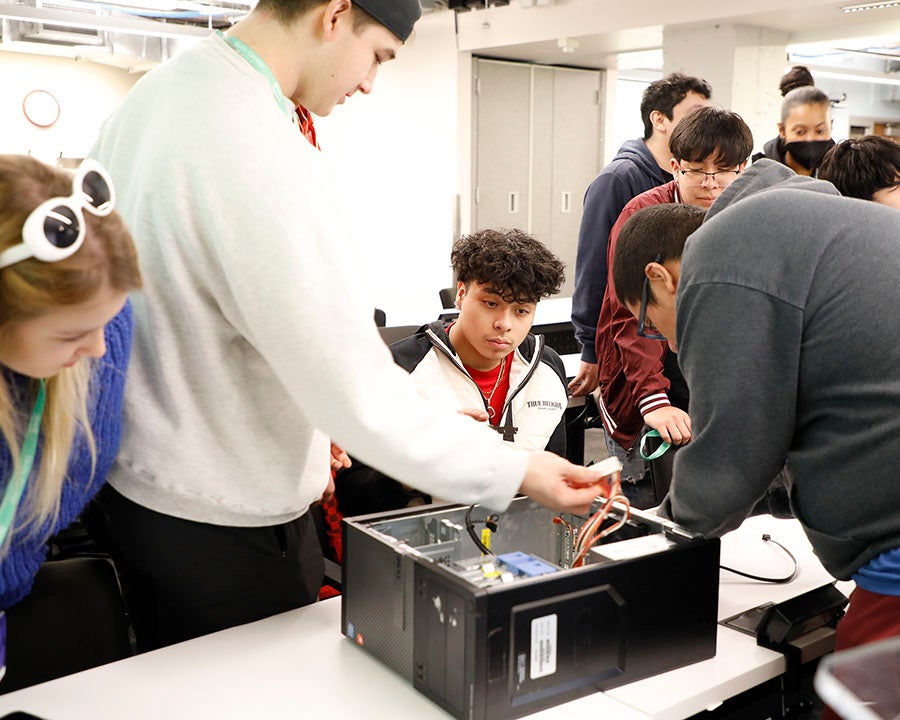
[739,664]
[298,665]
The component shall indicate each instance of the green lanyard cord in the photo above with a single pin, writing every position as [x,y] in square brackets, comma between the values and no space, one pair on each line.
[258,64]
[659,452]
[16,485]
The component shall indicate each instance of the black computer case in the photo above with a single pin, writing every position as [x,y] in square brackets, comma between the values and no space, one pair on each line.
[503,636]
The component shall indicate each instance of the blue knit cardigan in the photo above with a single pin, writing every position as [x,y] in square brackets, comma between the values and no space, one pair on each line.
[27,548]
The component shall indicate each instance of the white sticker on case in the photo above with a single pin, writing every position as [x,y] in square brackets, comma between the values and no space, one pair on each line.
[543,646]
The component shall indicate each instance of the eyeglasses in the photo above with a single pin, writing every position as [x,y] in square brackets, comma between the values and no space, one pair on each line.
[55,229]
[642,315]
[719,177]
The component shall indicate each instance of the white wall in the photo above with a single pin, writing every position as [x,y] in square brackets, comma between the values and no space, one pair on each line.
[626,116]
[87,94]
[395,153]
[742,63]
[865,101]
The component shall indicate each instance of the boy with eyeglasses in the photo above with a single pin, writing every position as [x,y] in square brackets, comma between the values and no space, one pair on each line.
[777,306]
[640,383]
[867,168]
[639,165]
[486,363]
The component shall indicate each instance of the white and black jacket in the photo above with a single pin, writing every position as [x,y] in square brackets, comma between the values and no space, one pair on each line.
[532,418]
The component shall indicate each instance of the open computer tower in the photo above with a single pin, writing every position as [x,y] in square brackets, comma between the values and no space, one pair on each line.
[505,634]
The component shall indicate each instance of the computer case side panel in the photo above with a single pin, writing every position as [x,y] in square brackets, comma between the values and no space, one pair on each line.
[555,638]
[377,598]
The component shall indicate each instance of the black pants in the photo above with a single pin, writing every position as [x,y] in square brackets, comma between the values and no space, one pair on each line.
[182,579]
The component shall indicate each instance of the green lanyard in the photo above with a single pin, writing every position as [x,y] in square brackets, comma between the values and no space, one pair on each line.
[258,64]
[16,485]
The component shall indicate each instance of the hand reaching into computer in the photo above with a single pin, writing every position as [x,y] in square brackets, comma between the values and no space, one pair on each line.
[559,485]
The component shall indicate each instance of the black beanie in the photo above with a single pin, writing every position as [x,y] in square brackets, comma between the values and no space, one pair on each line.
[398,16]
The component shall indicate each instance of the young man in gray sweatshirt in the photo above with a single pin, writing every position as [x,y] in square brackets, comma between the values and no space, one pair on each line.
[782,307]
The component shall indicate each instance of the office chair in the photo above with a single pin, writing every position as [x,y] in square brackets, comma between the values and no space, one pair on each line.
[391,335]
[75,614]
[448,297]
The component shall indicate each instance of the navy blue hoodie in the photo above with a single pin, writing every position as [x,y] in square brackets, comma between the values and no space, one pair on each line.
[632,171]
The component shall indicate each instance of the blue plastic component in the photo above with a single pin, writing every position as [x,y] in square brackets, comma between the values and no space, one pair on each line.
[524,564]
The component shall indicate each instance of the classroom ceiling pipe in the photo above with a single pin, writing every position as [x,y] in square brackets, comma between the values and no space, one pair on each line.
[135,38]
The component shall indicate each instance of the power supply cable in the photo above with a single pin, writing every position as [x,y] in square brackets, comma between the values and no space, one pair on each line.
[774,580]
[490,522]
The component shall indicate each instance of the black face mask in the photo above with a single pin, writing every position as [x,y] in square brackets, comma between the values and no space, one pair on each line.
[809,153]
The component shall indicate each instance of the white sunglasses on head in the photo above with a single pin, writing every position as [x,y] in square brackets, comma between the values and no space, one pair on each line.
[55,229]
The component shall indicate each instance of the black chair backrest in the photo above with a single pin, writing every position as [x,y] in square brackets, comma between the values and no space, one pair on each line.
[398,332]
[448,297]
[74,611]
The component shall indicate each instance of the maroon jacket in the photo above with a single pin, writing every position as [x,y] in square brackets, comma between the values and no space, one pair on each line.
[631,367]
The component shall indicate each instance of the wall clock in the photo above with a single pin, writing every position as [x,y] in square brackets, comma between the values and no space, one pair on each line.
[41,108]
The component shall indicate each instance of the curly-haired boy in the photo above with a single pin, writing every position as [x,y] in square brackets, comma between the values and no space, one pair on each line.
[485,364]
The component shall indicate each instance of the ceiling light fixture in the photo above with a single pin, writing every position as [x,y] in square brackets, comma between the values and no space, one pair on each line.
[124,24]
[870,6]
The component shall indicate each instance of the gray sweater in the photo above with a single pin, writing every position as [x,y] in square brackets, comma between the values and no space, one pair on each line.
[789,338]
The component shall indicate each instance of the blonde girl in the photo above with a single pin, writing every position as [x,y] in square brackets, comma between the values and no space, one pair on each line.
[67,263]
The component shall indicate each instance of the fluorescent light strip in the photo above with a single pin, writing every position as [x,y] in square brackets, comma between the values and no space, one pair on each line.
[877,79]
[124,24]
[870,6]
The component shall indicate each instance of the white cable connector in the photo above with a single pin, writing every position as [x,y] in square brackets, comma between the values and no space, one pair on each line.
[607,466]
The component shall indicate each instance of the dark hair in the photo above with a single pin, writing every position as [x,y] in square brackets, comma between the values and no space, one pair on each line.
[797,76]
[653,234]
[712,132]
[859,168]
[665,94]
[510,263]
[806,95]
[286,11]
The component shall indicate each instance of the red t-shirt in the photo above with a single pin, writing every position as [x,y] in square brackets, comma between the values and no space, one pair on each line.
[488,381]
